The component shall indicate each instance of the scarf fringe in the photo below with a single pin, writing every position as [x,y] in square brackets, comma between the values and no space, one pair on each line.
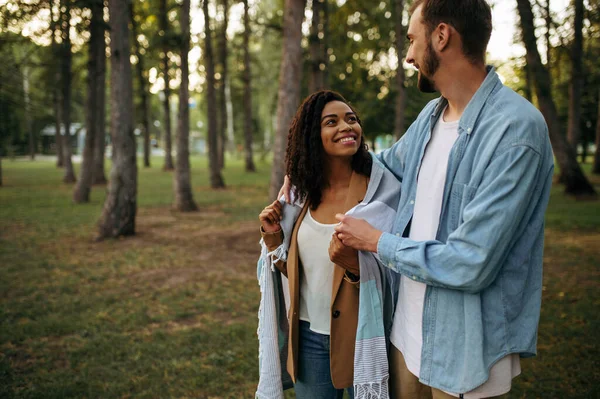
[372,390]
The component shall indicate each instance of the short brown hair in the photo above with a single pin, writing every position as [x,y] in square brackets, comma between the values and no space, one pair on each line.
[472,19]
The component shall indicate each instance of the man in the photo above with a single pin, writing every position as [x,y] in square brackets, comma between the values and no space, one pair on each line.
[476,170]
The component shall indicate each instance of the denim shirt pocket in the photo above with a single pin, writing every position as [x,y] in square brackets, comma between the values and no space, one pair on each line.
[460,196]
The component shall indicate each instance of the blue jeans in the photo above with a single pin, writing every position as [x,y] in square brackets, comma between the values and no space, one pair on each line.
[314,375]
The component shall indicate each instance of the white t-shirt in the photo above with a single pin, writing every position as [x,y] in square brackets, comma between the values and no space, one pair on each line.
[317,273]
[407,329]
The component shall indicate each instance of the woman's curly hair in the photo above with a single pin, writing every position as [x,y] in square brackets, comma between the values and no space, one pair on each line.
[305,156]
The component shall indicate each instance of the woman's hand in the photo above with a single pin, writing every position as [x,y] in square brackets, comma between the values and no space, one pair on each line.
[271,216]
[343,256]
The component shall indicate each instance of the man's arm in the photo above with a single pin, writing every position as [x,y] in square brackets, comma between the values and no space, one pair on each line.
[473,253]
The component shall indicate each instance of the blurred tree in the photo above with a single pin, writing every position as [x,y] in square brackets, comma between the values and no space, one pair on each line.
[288,97]
[596,165]
[577,77]
[120,205]
[65,82]
[216,180]
[247,93]
[316,39]
[222,84]
[165,33]
[96,80]
[575,181]
[142,76]
[184,200]
[400,90]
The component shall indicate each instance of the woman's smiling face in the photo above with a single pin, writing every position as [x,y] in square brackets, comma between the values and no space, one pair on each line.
[341,133]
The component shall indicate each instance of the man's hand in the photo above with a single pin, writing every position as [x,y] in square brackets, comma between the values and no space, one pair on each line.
[285,190]
[357,233]
[343,256]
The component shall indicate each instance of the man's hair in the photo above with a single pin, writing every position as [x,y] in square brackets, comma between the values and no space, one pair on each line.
[305,155]
[472,19]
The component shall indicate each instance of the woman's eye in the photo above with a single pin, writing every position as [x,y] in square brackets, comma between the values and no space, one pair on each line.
[330,122]
[352,119]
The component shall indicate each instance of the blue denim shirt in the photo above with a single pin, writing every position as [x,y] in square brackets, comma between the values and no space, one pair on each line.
[484,269]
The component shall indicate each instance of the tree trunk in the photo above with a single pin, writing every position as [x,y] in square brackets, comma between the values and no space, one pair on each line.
[247,93]
[401,92]
[548,18]
[66,76]
[184,200]
[28,117]
[164,27]
[120,206]
[142,79]
[56,90]
[216,180]
[289,87]
[596,165]
[98,176]
[84,185]
[576,85]
[315,79]
[575,181]
[222,95]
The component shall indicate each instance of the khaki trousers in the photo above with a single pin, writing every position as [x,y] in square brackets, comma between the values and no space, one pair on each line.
[404,384]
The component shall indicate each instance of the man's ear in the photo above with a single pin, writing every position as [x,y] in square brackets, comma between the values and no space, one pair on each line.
[441,36]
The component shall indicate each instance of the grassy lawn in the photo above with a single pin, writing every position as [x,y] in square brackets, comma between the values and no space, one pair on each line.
[172,311]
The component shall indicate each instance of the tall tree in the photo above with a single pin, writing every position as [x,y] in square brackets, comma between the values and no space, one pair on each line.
[596,165]
[184,200]
[247,93]
[143,86]
[54,46]
[575,181]
[120,205]
[400,90]
[164,28]
[65,82]
[576,85]
[216,180]
[316,79]
[288,97]
[222,121]
[98,176]
[96,51]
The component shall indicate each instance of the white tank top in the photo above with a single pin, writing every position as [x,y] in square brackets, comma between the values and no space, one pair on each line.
[316,280]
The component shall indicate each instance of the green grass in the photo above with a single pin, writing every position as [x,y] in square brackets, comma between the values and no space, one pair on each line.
[171,312]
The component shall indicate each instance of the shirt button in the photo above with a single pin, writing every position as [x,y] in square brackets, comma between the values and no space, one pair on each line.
[336,314]
[397,234]
[412,202]
[390,264]
[468,130]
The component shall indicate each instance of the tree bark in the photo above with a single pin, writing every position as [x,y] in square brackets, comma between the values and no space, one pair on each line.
[28,118]
[143,87]
[66,77]
[576,85]
[120,206]
[164,27]
[316,78]
[575,181]
[247,93]
[98,176]
[96,50]
[184,200]
[548,18]
[216,180]
[596,165]
[401,92]
[56,87]
[289,87]
[222,128]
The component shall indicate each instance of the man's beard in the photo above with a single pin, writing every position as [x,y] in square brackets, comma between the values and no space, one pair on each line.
[430,65]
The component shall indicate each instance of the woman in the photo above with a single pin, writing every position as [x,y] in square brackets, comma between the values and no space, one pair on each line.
[329,168]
